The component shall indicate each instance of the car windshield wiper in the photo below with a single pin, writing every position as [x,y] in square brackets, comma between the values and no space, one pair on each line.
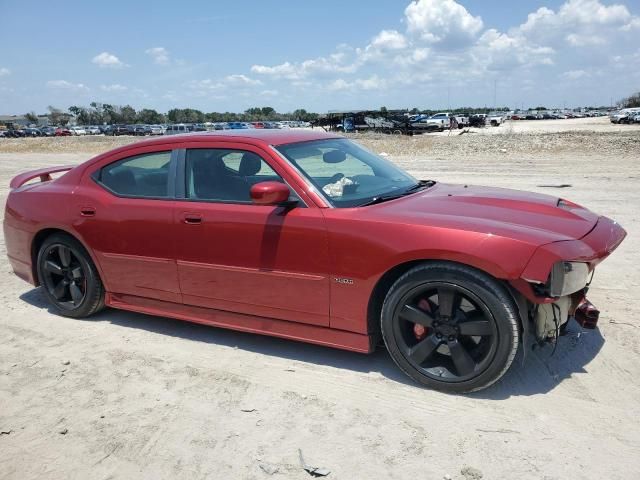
[380,199]
[420,185]
[383,198]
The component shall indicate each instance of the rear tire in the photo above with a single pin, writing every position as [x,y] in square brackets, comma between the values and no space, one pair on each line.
[69,277]
[450,327]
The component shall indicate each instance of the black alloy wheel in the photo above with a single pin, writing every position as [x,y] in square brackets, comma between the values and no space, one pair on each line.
[64,277]
[445,331]
[70,279]
[450,327]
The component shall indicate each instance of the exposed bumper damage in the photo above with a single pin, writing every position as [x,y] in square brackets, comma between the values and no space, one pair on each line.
[550,313]
[549,318]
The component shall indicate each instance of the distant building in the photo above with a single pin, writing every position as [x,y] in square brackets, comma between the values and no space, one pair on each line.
[22,121]
[14,120]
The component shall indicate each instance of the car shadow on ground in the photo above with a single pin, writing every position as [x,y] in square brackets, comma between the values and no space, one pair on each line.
[540,372]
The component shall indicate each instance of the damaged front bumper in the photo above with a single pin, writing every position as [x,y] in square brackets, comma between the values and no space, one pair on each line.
[593,248]
[548,312]
[550,318]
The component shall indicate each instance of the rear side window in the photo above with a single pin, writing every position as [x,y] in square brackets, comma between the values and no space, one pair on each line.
[140,176]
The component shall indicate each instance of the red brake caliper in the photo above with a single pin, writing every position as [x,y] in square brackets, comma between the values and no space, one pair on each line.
[421,331]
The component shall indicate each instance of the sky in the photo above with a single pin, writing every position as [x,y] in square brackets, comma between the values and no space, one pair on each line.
[329,55]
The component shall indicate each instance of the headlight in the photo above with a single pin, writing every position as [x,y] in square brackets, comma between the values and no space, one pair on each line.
[567,278]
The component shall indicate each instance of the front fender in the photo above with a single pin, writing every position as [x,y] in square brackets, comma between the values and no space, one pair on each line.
[594,247]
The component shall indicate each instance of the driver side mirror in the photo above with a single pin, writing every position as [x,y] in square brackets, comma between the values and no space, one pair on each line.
[270,193]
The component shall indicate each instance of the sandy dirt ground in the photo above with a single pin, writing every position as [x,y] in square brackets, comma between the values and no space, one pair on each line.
[124,396]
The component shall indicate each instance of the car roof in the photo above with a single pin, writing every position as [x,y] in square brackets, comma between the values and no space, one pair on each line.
[269,137]
[253,136]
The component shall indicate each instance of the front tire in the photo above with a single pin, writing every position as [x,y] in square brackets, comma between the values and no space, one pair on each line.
[69,277]
[450,327]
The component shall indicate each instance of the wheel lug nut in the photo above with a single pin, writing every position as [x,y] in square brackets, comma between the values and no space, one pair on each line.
[451,338]
[438,335]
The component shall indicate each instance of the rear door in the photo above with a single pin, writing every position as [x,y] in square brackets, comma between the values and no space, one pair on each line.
[125,211]
[232,255]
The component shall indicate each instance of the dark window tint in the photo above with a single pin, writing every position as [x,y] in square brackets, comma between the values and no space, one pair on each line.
[141,176]
[225,175]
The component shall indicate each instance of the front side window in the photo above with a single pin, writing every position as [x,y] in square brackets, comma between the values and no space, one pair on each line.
[144,175]
[225,175]
[346,173]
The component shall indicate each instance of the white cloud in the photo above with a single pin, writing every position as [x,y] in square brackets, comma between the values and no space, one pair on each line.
[575,74]
[501,51]
[238,79]
[216,88]
[374,82]
[578,40]
[4,72]
[437,49]
[389,39]
[580,23]
[442,21]
[283,70]
[339,84]
[334,63]
[592,11]
[632,25]
[113,88]
[160,55]
[441,39]
[65,85]
[444,40]
[205,86]
[107,60]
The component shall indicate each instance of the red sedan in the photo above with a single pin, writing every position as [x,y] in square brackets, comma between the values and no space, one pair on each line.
[62,132]
[308,236]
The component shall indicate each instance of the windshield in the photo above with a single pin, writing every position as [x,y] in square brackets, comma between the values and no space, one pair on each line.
[347,174]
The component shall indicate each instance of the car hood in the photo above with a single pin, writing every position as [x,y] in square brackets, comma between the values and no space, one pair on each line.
[517,214]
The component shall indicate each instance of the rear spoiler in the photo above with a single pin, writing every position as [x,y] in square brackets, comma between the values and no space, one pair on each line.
[43,173]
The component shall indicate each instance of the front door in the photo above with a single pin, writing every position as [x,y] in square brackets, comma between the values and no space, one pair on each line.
[235,256]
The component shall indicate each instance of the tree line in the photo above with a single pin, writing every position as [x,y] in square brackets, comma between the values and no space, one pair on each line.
[104,113]
[632,101]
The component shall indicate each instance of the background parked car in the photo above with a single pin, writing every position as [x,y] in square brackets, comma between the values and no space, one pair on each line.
[92,130]
[62,132]
[32,132]
[176,129]
[116,130]
[138,130]
[462,119]
[237,125]
[77,131]
[626,115]
[15,133]
[495,119]
[48,131]
[442,120]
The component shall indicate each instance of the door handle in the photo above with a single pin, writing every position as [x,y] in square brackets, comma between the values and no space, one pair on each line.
[192,218]
[87,211]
